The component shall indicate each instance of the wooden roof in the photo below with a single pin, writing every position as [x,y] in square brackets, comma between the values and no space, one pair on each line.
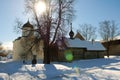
[78,35]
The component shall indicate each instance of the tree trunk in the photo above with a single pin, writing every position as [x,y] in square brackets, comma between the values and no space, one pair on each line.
[46,54]
[108,52]
[108,45]
[46,44]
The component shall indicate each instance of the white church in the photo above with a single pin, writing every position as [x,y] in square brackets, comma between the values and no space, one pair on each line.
[24,47]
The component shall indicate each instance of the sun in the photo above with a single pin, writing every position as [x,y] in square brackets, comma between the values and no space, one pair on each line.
[40,7]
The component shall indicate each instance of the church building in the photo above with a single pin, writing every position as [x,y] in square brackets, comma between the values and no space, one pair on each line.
[24,47]
[79,48]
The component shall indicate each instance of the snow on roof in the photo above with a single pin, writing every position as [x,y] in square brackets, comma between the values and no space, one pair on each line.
[94,46]
[77,43]
[74,43]
[1,51]
[117,37]
[109,39]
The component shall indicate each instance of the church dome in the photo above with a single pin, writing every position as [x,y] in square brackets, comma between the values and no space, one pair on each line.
[71,34]
[27,25]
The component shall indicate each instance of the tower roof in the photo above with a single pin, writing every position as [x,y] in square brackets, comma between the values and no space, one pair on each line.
[27,25]
[71,33]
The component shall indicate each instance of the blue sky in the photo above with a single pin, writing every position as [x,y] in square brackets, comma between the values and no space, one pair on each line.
[87,11]
[95,11]
[9,11]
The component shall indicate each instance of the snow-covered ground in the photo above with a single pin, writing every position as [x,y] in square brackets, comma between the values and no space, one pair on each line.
[94,69]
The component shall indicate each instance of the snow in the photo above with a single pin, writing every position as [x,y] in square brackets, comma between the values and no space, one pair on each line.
[8,45]
[93,69]
[117,37]
[77,43]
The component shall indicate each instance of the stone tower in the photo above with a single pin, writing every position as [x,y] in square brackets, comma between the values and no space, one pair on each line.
[27,30]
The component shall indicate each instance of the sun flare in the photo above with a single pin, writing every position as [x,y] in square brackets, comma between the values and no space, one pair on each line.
[40,7]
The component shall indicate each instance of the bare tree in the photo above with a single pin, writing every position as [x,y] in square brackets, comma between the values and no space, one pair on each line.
[1,48]
[87,31]
[114,30]
[18,25]
[0,43]
[52,23]
[108,31]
